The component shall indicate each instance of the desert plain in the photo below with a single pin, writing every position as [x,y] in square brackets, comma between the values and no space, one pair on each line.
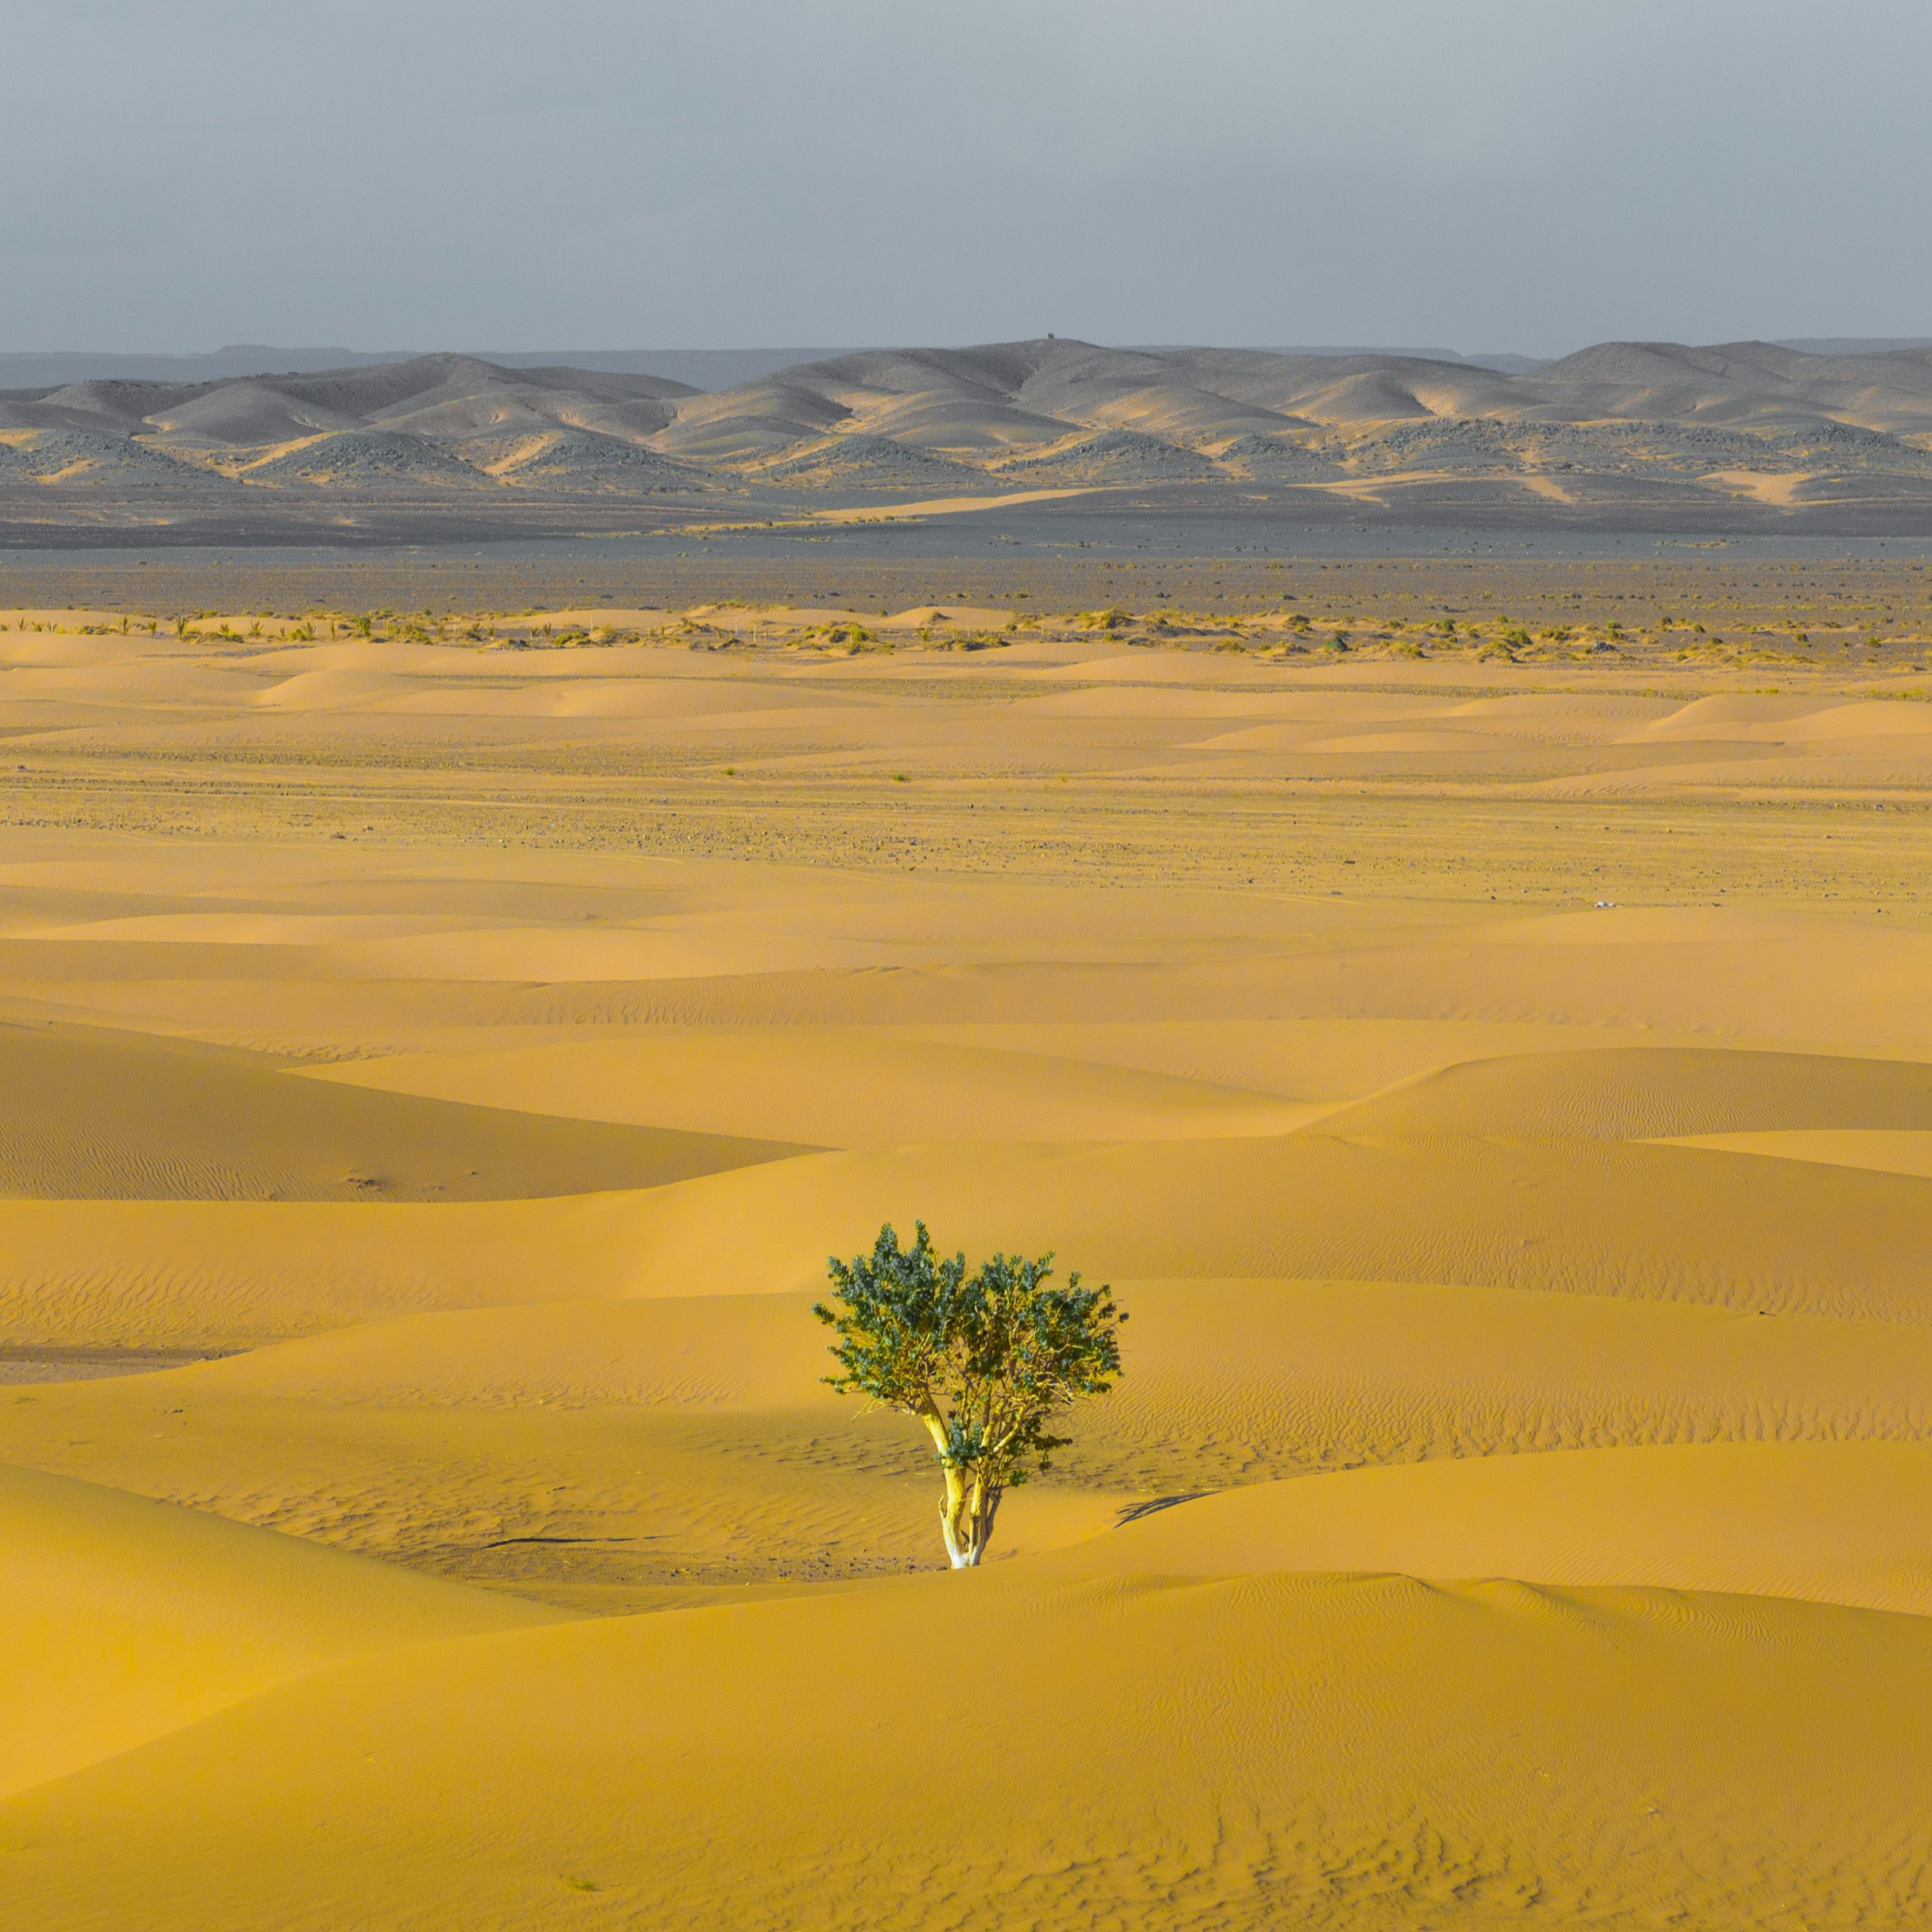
[1481,1033]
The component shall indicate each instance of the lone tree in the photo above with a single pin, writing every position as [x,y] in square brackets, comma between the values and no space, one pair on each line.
[985,1361]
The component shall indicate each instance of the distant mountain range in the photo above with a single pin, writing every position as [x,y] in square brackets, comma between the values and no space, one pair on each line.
[699,368]
[1773,427]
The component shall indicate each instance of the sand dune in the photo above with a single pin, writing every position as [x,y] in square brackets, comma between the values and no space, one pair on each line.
[1336,1741]
[1830,1522]
[553,955]
[582,698]
[619,1454]
[209,1275]
[439,1075]
[1892,1150]
[1576,1216]
[1631,1094]
[840,1087]
[124,1619]
[1579,1216]
[125,1118]
[1314,1061]
[1063,706]
[668,1474]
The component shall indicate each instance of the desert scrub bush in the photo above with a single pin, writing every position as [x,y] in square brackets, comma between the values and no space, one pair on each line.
[986,1362]
[970,640]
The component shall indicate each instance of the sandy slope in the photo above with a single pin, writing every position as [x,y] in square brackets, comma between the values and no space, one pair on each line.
[124,1620]
[1832,1523]
[1896,1150]
[1513,1508]
[1581,1217]
[1277,706]
[1584,1217]
[118,1118]
[838,1087]
[605,1454]
[1327,1751]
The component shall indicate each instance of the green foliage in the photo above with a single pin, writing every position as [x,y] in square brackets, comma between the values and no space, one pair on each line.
[985,1361]
[851,635]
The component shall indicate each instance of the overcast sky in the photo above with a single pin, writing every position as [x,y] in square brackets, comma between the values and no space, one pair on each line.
[1478,174]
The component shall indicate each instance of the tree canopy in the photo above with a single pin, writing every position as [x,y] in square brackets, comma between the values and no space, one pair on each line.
[986,1360]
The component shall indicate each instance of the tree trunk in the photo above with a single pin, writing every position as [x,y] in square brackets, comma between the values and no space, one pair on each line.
[967,1511]
[966,1519]
[954,1525]
[985,1508]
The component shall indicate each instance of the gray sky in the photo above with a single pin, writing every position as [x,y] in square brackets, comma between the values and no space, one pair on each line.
[1477,174]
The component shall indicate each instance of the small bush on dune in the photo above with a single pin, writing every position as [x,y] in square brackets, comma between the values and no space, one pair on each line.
[985,1361]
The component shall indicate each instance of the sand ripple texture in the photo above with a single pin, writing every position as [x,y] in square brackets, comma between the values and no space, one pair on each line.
[418,1507]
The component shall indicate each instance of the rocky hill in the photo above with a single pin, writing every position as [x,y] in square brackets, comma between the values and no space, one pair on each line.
[1680,433]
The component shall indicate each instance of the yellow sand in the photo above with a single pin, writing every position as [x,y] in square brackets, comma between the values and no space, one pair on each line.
[1831,1522]
[122,1619]
[845,1087]
[1247,1752]
[687,1444]
[1514,1509]
[1892,1150]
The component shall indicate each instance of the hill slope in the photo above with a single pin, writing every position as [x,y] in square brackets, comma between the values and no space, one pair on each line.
[1729,431]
